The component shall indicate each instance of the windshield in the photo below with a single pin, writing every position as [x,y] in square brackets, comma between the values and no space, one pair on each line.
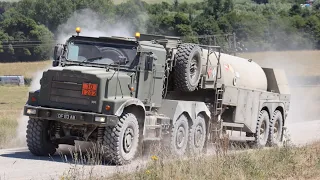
[101,52]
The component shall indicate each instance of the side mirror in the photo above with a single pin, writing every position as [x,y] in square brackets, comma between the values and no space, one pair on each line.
[149,61]
[58,49]
[55,63]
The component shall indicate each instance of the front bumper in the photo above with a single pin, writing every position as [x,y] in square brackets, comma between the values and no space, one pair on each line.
[70,116]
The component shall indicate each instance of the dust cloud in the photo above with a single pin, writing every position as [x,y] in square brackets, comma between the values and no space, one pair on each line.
[23,120]
[92,24]
[299,68]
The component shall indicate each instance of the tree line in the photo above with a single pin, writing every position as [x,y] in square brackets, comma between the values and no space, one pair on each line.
[29,28]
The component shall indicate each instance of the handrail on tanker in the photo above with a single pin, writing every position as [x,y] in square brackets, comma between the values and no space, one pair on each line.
[210,51]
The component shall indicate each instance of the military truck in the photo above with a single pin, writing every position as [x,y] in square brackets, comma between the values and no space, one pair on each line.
[121,92]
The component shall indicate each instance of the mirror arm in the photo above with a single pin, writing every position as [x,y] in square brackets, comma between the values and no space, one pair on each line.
[59,49]
[150,58]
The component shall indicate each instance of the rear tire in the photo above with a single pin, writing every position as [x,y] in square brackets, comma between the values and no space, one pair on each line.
[122,140]
[38,139]
[262,130]
[276,126]
[179,136]
[188,68]
[197,135]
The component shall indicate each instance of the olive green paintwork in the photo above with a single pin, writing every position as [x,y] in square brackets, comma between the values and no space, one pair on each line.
[150,82]
[61,87]
[80,117]
[247,88]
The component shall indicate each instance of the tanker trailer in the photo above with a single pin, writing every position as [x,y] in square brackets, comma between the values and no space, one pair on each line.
[241,95]
[255,99]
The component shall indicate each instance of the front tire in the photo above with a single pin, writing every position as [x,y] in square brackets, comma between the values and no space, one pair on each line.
[122,140]
[38,138]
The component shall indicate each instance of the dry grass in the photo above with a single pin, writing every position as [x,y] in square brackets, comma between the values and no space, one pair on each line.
[284,163]
[288,162]
[12,100]
[22,68]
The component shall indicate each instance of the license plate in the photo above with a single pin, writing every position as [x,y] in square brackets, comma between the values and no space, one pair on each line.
[66,116]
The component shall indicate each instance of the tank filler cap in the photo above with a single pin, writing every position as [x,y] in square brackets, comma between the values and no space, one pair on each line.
[250,60]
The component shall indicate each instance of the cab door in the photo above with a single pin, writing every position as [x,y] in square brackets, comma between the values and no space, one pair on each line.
[150,79]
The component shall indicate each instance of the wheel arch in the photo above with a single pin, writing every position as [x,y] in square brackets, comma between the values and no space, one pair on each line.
[206,117]
[271,107]
[189,115]
[134,106]
[174,108]
[281,109]
[266,108]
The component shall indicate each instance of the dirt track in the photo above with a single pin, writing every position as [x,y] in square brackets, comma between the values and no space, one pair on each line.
[20,164]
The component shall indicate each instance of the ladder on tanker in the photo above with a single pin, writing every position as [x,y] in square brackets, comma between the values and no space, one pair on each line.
[218,101]
[214,128]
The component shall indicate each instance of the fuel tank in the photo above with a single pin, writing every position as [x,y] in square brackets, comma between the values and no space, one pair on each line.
[235,71]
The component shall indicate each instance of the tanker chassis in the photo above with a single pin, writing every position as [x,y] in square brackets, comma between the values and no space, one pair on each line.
[121,92]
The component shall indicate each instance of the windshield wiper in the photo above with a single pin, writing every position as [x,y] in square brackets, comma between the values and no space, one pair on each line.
[92,59]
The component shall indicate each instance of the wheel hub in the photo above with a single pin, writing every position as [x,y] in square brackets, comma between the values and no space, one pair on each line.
[128,139]
[262,131]
[180,137]
[193,68]
[198,135]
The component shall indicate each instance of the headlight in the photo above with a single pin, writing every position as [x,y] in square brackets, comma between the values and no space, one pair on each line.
[31,111]
[100,119]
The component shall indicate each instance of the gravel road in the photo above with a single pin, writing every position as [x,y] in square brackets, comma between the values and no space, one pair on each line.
[20,164]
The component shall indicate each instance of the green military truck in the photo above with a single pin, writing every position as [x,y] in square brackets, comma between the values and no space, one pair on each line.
[123,91]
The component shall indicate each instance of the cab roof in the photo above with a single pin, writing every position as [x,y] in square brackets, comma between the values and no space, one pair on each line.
[128,40]
[104,39]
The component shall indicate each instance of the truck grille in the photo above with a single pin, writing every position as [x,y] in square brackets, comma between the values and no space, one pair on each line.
[67,92]
[64,90]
